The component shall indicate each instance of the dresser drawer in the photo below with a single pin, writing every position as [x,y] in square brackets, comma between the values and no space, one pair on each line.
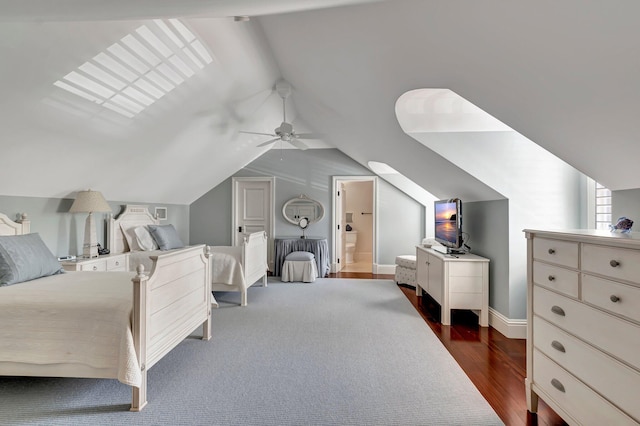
[611,378]
[98,265]
[623,264]
[555,251]
[605,331]
[618,298]
[556,278]
[116,264]
[582,403]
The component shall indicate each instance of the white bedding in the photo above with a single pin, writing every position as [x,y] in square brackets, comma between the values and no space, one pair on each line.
[142,258]
[226,265]
[74,318]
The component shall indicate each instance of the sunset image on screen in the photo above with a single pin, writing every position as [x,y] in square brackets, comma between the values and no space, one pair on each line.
[445,212]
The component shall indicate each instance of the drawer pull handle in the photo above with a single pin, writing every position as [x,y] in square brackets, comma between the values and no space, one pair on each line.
[558,346]
[614,298]
[557,310]
[614,263]
[552,278]
[117,263]
[556,384]
[552,251]
[95,268]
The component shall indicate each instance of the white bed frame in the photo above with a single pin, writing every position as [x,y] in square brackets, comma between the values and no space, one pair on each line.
[254,265]
[132,215]
[168,304]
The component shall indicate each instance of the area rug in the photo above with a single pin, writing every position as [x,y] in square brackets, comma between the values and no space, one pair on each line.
[332,352]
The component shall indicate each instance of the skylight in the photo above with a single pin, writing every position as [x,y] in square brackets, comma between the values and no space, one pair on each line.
[141,68]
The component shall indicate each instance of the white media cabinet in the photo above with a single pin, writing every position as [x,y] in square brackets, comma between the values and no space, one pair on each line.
[454,281]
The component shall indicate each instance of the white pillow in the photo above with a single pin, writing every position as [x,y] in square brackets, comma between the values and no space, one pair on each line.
[129,234]
[144,239]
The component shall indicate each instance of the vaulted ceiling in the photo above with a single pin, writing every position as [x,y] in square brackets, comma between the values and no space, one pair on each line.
[564,74]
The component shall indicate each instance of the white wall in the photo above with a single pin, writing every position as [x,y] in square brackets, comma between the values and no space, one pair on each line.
[543,192]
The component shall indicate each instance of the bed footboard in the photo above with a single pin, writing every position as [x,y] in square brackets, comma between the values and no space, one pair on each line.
[254,258]
[168,305]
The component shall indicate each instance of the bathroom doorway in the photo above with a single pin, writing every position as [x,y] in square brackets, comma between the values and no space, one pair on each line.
[354,224]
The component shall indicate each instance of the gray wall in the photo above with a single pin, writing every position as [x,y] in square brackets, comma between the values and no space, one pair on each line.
[626,203]
[63,232]
[310,172]
[487,225]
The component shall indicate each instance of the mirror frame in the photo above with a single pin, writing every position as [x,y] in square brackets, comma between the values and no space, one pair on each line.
[311,201]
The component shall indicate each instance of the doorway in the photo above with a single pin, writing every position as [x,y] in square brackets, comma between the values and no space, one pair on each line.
[354,224]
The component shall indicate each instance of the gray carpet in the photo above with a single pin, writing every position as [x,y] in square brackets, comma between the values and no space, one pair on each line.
[334,352]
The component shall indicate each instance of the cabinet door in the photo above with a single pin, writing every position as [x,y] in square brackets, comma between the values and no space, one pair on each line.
[436,277]
[422,267]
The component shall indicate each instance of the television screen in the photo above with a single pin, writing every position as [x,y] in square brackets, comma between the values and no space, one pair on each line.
[448,222]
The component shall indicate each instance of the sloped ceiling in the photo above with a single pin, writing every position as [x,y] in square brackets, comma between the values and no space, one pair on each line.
[564,74]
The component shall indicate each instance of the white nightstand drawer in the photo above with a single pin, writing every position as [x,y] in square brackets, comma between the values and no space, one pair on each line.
[98,265]
[555,251]
[607,332]
[116,264]
[556,278]
[621,299]
[583,404]
[612,379]
[613,262]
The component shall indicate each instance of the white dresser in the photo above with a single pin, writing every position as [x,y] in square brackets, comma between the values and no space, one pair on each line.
[455,282]
[583,317]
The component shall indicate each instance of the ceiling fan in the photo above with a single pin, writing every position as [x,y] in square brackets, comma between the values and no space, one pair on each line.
[285,131]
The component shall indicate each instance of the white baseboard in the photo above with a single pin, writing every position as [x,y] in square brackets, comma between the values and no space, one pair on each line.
[511,328]
[384,269]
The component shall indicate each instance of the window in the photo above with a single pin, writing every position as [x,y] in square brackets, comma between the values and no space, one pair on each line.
[135,72]
[603,206]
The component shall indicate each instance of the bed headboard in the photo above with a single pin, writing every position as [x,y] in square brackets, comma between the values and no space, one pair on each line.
[9,227]
[132,215]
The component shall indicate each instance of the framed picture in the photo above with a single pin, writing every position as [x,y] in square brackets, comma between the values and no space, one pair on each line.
[161,213]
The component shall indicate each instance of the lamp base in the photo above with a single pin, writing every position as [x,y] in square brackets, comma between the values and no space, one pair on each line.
[90,246]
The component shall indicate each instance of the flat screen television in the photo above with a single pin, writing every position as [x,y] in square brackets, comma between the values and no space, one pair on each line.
[448,224]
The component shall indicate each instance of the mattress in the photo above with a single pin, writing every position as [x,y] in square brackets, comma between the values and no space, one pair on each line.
[77,318]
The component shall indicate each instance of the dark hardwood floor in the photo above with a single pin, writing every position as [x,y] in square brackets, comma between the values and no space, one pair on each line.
[495,364]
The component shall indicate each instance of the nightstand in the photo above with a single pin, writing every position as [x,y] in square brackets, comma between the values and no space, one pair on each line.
[108,262]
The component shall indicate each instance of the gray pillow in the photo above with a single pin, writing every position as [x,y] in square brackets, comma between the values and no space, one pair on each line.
[24,258]
[166,236]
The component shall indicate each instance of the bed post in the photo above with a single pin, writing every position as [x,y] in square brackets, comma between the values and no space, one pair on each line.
[139,327]
[206,326]
[26,223]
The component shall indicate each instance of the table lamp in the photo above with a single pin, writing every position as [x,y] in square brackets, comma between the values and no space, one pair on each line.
[89,202]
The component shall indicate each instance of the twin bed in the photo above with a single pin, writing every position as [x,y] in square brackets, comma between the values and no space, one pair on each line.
[233,268]
[113,325]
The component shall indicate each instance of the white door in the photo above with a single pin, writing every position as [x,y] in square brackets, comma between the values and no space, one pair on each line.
[253,208]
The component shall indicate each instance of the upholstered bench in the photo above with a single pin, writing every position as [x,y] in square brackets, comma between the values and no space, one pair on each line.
[299,266]
[406,269]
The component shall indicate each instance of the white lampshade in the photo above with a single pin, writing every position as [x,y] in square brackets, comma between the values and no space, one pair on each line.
[89,202]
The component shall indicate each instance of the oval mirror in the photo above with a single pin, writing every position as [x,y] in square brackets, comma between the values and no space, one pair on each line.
[302,207]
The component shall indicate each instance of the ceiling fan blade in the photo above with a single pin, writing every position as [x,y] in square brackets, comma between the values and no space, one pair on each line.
[257,133]
[269,142]
[309,136]
[298,144]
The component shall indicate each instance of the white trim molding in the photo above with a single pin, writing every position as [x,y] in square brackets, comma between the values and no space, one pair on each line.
[510,328]
[384,269]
